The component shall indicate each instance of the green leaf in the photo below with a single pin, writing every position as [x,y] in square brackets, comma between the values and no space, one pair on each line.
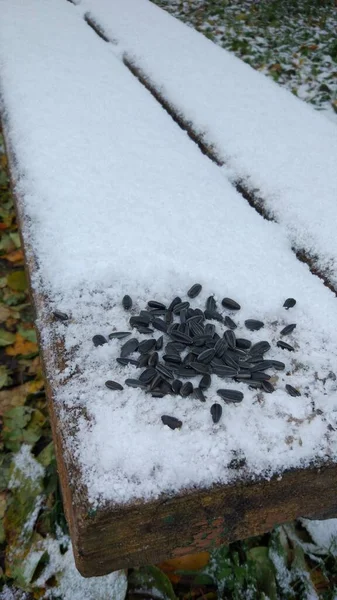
[15,237]
[5,378]
[22,424]
[6,338]
[17,281]
[28,334]
[46,455]
[5,464]
[151,579]
[265,572]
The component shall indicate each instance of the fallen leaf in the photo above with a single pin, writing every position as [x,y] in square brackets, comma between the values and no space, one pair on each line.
[17,281]
[14,397]
[36,386]
[6,338]
[15,256]
[191,562]
[4,313]
[21,346]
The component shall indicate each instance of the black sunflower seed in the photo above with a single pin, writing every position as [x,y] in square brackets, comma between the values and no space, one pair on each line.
[148,375]
[176,386]
[61,316]
[230,304]
[181,337]
[165,387]
[155,382]
[186,389]
[143,360]
[285,346]
[216,412]
[205,382]
[230,338]
[254,324]
[289,303]
[182,316]
[136,383]
[261,366]
[153,359]
[157,312]
[243,378]
[199,394]
[220,347]
[268,387]
[159,324]
[213,315]
[230,396]
[190,357]
[243,344]
[260,348]
[292,391]
[113,385]
[260,376]
[160,342]
[194,291]
[99,340]
[210,304]
[143,329]
[155,304]
[200,367]
[164,371]
[230,360]
[171,349]
[185,372]
[171,422]
[255,385]
[158,394]
[174,302]
[288,329]
[209,329]
[181,306]
[224,371]
[230,323]
[206,356]
[127,361]
[278,365]
[146,346]
[169,317]
[127,302]
[178,346]
[172,359]
[143,320]
[129,347]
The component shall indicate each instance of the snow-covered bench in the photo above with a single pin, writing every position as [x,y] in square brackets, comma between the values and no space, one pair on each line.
[114,199]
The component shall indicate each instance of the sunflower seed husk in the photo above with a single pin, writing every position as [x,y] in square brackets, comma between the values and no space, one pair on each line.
[210,304]
[243,344]
[127,302]
[261,366]
[200,367]
[199,394]
[172,359]
[148,375]
[129,347]
[171,422]
[230,304]
[136,383]
[292,391]
[181,337]
[209,329]
[230,323]
[194,291]
[216,412]
[99,340]
[230,338]
[243,376]
[159,324]
[181,306]
[206,356]
[164,371]
[285,346]
[176,386]
[288,329]
[174,302]
[278,365]
[213,315]
[143,360]
[113,385]
[289,303]
[254,324]
[165,387]
[224,371]
[153,359]
[127,361]
[61,316]
[155,304]
[160,342]
[230,396]
[260,376]
[186,389]
[268,387]
[182,316]
[205,382]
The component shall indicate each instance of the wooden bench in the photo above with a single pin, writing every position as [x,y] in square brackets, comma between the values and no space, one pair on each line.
[114,198]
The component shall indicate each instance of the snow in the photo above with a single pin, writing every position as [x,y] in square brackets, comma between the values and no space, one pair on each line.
[285,150]
[323,533]
[116,199]
[25,463]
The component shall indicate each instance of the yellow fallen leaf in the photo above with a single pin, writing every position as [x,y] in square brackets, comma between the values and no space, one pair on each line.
[14,256]
[36,386]
[16,396]
[191,562]
[21,346]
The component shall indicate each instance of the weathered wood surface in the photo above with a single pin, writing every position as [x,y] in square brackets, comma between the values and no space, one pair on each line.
[117,537]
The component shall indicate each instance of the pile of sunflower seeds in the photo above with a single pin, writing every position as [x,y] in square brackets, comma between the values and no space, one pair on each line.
[189,346]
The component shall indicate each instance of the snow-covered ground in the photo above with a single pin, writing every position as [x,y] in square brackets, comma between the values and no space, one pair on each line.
[116,199]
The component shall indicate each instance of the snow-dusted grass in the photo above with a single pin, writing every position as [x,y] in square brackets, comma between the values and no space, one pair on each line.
[293,42]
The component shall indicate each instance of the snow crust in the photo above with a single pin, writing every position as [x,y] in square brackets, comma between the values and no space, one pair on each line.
[284,150]
[117,199]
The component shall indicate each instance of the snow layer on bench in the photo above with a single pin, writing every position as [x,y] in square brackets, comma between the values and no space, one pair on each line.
[284,149]
[116,200]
